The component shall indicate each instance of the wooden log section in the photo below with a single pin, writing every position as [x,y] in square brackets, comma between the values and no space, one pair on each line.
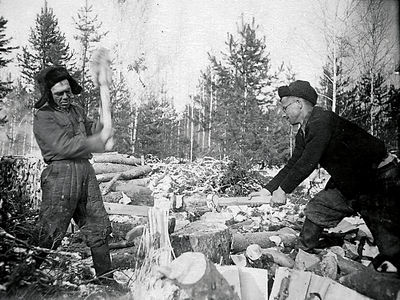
[242,240]
[198,278]
[373,284]
[116,158]
[211,239]
[126,175]
[120,185]
[103,168]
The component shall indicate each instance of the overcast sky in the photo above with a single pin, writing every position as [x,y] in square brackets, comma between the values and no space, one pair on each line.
[177,34]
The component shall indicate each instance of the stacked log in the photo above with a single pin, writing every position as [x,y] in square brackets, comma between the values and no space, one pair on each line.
[121,179]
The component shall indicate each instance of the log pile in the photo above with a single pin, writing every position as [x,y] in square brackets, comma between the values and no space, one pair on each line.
[122,179]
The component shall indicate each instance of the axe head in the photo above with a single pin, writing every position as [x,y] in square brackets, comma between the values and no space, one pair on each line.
[100,67]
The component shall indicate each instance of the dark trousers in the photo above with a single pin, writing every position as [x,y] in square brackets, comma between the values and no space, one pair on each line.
[379,208]
[71,191]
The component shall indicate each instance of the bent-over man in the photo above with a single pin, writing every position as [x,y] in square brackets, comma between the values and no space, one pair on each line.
[364,178]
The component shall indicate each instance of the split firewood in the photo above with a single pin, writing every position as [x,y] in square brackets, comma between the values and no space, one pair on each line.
[198,277]
[103,168]
[242,240]
[211,239]
[373,284]
[129,174]
[116,159]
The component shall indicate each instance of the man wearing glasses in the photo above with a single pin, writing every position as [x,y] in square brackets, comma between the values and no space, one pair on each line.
[364,178]
[69,185]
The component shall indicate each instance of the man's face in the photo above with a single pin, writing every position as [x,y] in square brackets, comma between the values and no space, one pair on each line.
[291,107]
[62,94]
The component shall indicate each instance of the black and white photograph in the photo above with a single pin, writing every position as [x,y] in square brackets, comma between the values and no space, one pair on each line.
[200,149]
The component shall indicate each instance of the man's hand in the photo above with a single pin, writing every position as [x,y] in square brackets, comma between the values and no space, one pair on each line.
[263,194]
[278,197]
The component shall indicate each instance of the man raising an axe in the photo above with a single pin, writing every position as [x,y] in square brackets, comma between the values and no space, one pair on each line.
[69,185]
[364,178]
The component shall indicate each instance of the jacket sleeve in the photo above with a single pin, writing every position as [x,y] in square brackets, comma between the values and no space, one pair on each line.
[317,137]
[54,137]
[297,152]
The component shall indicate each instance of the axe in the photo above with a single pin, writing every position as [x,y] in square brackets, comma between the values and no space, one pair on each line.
[101,76]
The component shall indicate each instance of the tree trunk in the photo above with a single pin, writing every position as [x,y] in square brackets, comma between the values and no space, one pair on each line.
[211,239]
[130,174]
[117,159]
[241,241]
[198,278]
[373,284]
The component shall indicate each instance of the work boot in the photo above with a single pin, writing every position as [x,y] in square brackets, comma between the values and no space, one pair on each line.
[102,265]
[309,236]
[102,260]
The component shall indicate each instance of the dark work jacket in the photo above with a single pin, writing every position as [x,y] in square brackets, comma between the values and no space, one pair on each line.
[347,152]
[62,135]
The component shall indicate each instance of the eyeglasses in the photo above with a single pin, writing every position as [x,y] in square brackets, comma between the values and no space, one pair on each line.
[61,94]
[284,108]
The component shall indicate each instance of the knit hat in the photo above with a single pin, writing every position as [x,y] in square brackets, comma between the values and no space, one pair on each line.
[48,77]
[301,89]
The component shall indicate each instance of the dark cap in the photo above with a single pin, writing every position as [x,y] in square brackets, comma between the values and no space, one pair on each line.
[301,89]
[50,76]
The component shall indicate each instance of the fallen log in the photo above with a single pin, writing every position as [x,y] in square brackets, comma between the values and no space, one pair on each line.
[138,194]
[198,277]
[129,174]
[116,158]
[242,240]
[373,284]
[133,182]
[211,239]
[104,168]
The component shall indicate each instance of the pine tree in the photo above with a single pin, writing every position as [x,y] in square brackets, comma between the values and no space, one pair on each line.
[4,51]
[89,35]
[47,46]
[246,124]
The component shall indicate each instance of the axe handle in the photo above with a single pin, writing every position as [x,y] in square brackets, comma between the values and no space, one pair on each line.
[232,201]
[106,112]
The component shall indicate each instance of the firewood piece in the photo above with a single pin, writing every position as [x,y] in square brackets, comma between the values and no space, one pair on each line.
[242,240]
[121,209]
[112,197]
[110,184]
[373,284]
[104,168]
[130,174]
[198,277]
[211,239]
[348,266]
[279,257]
[117,159]
[139,195]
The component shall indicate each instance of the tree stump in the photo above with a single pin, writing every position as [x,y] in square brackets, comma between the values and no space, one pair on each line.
[211,239]
[198,278]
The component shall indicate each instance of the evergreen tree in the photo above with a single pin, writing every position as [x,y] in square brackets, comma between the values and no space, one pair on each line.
[47,46]
[89,35]
[4,51]
[246,122]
